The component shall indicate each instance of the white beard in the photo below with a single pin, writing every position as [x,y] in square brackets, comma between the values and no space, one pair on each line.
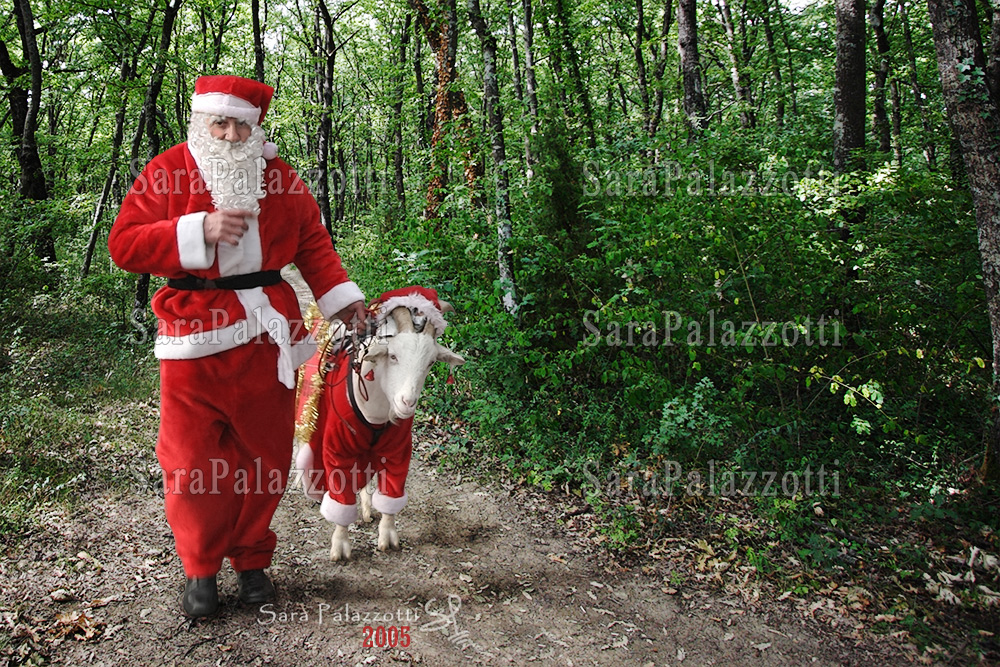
[233,172]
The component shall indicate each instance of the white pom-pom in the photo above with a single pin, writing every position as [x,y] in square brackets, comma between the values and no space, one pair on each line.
[270,150]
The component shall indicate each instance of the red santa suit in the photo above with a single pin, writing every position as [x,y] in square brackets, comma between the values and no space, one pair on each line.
[347,451]
[227,356]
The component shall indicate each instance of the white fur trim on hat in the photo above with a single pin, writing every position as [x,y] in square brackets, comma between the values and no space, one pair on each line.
[387,504]
[337,512]
[223,104]
[414,301]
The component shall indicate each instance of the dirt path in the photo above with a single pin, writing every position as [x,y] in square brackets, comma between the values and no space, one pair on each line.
[486,575]
[521,589]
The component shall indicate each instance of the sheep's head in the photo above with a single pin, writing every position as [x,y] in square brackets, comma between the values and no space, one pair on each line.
[404,359]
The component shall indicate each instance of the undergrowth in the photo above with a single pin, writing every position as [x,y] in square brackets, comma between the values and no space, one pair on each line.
[669,349]
[77,388]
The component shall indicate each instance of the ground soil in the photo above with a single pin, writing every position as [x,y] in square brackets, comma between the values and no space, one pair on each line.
[101,585]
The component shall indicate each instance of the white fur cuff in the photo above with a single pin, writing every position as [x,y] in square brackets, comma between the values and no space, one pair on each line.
[387,504]
[304,460]
[339,298]
[194,252]
[338,513]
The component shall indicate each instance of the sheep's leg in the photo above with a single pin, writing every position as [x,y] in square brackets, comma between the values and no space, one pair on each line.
[366,504]
[387,536]
[340,544]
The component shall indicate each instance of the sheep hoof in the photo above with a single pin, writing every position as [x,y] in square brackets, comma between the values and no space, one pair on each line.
[366,505]
[340,544]
[388,538]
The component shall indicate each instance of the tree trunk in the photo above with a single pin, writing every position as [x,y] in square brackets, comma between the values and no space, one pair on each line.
[975,118]
[849,91]
[742,90]
[127,73]
[897,122]
[258,42]
[640,67]
[788,53]
[514,54]
[109,182]
[340,194]
[927,131]
[24,106]
[881,117]
[425,105]
[530,86]
[772,56]
[993,57]
[554,49]
[397,120]
[579,86]
[325,69]
[494,115]
[217,37]
[687,47]
[849,105]
[661,66]
[441,30]
[147,119]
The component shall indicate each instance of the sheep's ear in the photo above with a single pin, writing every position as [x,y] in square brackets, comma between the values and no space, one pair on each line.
[449,357]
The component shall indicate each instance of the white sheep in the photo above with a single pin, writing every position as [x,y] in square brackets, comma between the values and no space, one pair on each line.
[357,410]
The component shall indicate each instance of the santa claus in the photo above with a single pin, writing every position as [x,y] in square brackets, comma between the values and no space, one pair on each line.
[219,216]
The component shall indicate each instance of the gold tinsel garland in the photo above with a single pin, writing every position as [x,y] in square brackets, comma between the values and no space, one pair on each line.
[305,423]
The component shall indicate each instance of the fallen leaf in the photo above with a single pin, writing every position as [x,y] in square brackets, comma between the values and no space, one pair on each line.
[61,595]
[78,625]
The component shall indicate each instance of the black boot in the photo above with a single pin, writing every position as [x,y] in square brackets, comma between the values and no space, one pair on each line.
[255,587]
[201,597]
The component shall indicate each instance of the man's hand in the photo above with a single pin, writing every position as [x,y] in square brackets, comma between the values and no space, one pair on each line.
[228,225]
[355,312]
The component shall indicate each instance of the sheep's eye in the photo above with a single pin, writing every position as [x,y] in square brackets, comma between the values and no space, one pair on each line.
[393,358]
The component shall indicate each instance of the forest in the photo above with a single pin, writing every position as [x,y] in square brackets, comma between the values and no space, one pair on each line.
[726,274]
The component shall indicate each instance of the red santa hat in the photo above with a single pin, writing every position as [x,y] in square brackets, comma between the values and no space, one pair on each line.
[421,301]
[232,96]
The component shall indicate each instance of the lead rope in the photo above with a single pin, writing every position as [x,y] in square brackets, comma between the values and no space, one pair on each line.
[356,361]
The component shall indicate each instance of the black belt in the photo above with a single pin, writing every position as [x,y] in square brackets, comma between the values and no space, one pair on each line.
[242,281]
